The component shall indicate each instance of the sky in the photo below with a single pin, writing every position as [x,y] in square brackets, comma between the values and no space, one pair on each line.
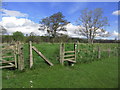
[25,16]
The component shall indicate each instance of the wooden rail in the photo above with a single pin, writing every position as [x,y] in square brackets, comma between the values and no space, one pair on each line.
[8,66]
[69,52]
[7,56]
[70,60]
[69,55]
[7,62]
[42,56]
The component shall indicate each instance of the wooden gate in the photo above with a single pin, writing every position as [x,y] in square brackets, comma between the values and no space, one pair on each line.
[39,53]
[12,56]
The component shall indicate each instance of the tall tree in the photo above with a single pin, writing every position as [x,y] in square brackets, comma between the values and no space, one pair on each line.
[53,24]
[91,24]
[18,36]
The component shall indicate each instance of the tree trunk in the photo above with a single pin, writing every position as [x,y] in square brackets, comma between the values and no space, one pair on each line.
[90,41]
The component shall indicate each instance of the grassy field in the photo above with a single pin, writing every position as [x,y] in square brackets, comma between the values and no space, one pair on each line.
[102,73]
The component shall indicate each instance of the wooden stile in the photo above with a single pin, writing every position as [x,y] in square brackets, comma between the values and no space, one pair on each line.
[69,57]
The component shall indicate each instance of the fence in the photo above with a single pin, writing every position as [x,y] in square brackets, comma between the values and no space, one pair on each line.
[98,50]
[12,56]
[16,60]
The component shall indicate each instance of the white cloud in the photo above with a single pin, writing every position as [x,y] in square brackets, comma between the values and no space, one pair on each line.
[71,31]
[116,12]
[12,13]
[26,26]
[115,33]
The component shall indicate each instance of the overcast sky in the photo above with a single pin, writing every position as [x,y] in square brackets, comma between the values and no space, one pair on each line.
[25,16]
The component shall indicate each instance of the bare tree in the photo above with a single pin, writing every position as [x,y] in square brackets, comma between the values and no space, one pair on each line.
[93,24]
[53,24]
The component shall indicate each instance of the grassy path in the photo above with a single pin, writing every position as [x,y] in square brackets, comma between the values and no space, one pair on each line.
[98,74]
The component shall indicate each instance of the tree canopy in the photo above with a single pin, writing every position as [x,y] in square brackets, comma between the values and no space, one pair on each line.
[18,36]
[91,24]
[53,24]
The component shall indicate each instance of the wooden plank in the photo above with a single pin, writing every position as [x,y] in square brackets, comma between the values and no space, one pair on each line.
[39,53]
[7,51]
[69,60]
[7,56]
[69,55]
[7,62]
[8,66]
[8,48]
[31,55]
[69,52]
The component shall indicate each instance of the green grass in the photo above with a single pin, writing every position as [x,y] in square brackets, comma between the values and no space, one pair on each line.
[98,74]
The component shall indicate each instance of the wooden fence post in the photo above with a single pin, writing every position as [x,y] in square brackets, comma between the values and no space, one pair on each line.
[31,55]
[75,49]
[99,53]
[15,54]
[20,57]
[62,53]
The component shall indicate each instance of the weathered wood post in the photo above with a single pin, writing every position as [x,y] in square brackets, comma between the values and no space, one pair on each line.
[75,49]
[20,57]
[31,55]
[99,52]
[62,53]
[15,54]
